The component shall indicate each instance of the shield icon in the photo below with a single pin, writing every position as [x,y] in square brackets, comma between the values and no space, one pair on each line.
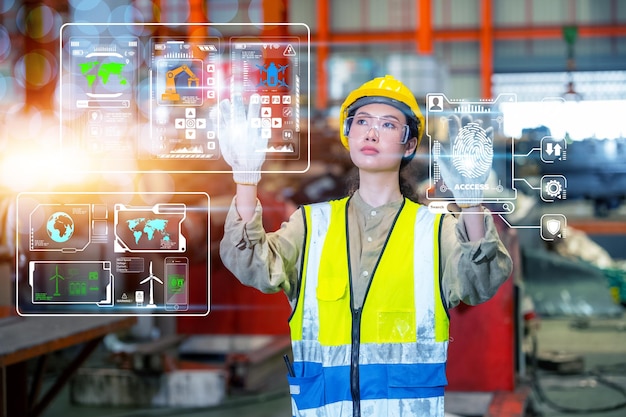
[553,226]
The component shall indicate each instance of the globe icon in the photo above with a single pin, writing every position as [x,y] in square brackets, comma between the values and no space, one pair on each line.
[60,227]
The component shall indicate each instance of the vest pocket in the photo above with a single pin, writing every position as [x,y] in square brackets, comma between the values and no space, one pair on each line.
[331,289]
[396,327]
[334,311]
[307,392]
[416,381]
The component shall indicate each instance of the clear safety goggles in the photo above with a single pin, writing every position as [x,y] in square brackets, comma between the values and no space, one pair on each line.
[385,127]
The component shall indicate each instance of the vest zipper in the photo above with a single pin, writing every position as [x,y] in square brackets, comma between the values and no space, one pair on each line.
[355,388]
[355,384]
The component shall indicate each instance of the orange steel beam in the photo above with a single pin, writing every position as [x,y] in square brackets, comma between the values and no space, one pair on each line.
[323,35]
[197,15]
[486,49]
[39,86]
[599,227]
[556,32]
[275,12]
[424,33]
[424,36]
[472,34]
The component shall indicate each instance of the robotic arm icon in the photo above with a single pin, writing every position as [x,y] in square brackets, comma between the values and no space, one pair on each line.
[170,93]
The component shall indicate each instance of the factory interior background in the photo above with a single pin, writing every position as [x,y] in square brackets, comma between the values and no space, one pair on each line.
[84,88]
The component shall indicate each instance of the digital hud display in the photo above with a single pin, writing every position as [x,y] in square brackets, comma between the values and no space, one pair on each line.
[268,70]
[102,102]
[112,253]
[149,229]
[468,136]
[143,97]
[184,88]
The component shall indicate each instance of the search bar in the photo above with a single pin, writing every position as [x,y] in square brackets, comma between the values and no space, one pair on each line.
[103,104]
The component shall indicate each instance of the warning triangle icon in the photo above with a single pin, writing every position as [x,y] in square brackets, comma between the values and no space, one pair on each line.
[289,51]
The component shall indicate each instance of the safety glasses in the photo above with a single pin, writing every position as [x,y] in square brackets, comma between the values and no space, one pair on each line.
[386,128]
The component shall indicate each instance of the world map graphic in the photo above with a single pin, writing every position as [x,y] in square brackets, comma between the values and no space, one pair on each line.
[145,228]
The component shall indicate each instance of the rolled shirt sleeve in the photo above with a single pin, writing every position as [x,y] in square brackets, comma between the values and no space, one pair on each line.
[472,271]
[269,262]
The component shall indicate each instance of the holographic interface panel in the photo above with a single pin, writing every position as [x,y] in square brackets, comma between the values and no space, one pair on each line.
[478,148]
[112,253]
[139,97]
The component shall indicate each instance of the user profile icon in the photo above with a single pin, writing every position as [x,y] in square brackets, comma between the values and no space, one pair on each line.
[435,103]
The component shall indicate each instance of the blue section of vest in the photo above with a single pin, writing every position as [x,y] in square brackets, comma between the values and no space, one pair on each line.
[404,381]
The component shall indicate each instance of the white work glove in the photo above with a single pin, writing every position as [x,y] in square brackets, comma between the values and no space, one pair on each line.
[465,170]
[240,139]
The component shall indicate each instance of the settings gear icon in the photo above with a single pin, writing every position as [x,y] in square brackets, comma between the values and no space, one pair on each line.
[553,187]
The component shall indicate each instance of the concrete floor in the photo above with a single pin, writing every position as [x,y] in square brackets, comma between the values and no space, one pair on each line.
[273,404]
[602,345]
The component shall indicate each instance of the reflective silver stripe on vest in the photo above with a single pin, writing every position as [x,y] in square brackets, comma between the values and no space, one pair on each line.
[420,352]
[424,254]
[427,407]
[320,218]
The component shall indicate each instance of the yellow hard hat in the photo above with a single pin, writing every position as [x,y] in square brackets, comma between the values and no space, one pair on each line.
[387,90]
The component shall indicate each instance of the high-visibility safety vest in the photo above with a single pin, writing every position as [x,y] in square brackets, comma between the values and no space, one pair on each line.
[386,359]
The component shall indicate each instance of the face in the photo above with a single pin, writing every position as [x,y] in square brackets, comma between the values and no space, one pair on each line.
[375,138]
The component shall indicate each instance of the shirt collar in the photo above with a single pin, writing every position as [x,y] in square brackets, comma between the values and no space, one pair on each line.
[363,207]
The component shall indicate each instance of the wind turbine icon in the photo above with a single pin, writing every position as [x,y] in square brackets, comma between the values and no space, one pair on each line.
[151,278]
[56,277]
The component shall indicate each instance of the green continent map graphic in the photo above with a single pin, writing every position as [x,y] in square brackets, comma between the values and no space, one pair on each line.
[142,226]
[105,70]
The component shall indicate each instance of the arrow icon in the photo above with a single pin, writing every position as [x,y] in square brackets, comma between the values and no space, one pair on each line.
[557,149]
[549,148]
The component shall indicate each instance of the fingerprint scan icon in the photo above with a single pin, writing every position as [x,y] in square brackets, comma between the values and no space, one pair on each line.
[472,152]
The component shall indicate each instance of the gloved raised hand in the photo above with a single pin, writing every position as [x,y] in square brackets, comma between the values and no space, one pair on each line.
[466,169]
[240,139]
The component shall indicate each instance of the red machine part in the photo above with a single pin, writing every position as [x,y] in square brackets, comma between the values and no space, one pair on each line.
[481,354]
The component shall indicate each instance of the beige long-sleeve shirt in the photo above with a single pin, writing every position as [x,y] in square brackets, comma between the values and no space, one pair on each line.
[472,271]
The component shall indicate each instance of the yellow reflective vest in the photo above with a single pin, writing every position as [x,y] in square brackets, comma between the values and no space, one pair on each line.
[386,359]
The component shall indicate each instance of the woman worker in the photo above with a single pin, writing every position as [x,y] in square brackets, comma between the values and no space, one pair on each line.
[369,277]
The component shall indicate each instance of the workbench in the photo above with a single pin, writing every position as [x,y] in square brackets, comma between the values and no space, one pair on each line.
[25,338]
